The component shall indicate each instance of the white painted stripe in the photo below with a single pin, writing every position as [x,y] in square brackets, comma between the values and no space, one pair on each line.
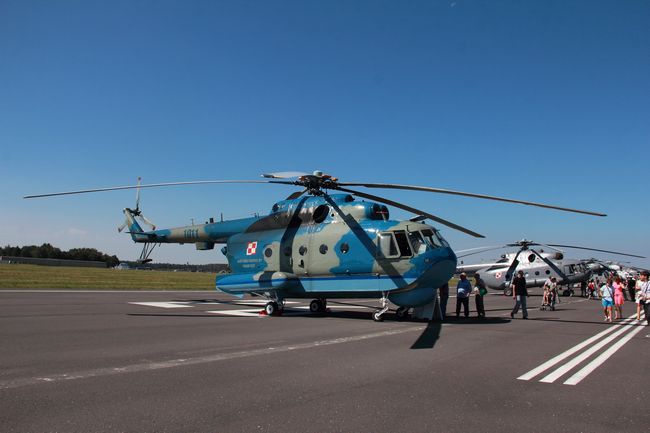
[150,366]
[250,312]
[587,369]
[550,363]
[258,302]
[163,304]
[550,378]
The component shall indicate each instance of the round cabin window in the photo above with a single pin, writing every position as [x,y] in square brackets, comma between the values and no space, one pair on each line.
[531,258]
[344,247]
[268,252]
[302,250]
[323,249]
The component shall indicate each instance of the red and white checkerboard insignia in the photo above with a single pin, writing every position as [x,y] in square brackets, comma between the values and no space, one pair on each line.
[251,249]
[497,275]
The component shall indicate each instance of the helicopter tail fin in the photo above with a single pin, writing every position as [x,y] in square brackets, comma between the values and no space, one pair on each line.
[131,223]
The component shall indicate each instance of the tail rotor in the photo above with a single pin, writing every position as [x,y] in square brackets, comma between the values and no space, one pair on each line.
[133,215]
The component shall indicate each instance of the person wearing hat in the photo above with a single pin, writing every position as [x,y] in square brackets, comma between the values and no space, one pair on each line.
[463,290]
[644,296]
[519,294]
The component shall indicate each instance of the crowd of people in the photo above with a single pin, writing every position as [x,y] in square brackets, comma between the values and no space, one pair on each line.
[612,292]
[615,290]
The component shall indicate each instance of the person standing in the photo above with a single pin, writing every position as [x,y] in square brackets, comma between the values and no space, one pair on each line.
[444,297]
[631,287]
[479,292]
[644,296]
[619,298]
[607,297]
[519,294]
[463,289]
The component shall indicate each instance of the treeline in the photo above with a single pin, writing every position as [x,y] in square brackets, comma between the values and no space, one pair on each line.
[47,251]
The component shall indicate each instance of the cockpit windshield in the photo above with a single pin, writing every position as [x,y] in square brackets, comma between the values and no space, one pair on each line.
[434,239]
[400,243]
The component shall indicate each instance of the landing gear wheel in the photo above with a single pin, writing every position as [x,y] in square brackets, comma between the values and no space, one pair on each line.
[402,313]
[507,292]
[317,306]
[377,317]
[272,309]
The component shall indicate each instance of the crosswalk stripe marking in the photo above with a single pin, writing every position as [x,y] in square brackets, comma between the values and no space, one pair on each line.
[550,363]
[586,370]
[163,304]
[550,378]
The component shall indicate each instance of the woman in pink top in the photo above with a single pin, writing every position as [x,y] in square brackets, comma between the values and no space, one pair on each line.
[619,298]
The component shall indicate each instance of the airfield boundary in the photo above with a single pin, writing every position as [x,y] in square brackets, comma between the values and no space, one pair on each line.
[18,276]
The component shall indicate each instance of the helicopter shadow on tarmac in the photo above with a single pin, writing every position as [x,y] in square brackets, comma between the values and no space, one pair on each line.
[431,334]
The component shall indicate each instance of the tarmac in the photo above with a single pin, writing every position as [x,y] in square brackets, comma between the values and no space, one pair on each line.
[75,361]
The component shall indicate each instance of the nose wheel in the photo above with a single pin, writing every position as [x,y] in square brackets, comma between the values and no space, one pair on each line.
[378,316]
[402,313]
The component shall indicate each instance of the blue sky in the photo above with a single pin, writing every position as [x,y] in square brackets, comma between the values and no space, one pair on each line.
[542,101]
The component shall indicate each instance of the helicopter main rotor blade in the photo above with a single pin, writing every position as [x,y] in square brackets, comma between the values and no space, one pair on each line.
[512,268]
[595,249]
[551,265]
[157,185]
[468,194]
[411,209]
[466,253]
[296,194]
[285,174]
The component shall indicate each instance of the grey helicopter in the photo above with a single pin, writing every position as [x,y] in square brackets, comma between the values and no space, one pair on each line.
[538,265]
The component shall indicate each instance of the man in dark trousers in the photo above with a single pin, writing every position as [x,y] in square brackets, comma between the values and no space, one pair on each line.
[463,289]
[444,297]
[519,294]
[480,290]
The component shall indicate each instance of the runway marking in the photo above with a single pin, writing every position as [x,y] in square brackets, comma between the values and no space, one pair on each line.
[576,378]
[249,312]
[151,366]
[163,304]
[615,331]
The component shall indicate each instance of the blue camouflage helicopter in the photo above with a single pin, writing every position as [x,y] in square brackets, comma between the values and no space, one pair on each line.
[318,245]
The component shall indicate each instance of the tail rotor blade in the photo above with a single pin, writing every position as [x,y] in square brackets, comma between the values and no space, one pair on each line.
[122,227]
[137,194]
[147,222]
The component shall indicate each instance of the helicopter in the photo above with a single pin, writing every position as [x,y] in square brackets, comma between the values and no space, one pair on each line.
[538,265]
[321,245]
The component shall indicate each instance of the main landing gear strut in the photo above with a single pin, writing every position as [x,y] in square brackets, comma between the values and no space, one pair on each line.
[377,316]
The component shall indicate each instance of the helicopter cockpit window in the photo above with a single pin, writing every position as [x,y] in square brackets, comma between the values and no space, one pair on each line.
[387,245]
[442,240]
[431,239]
[403,243]
[417,242]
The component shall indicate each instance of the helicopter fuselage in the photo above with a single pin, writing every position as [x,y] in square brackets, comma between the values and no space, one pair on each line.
[323,246]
